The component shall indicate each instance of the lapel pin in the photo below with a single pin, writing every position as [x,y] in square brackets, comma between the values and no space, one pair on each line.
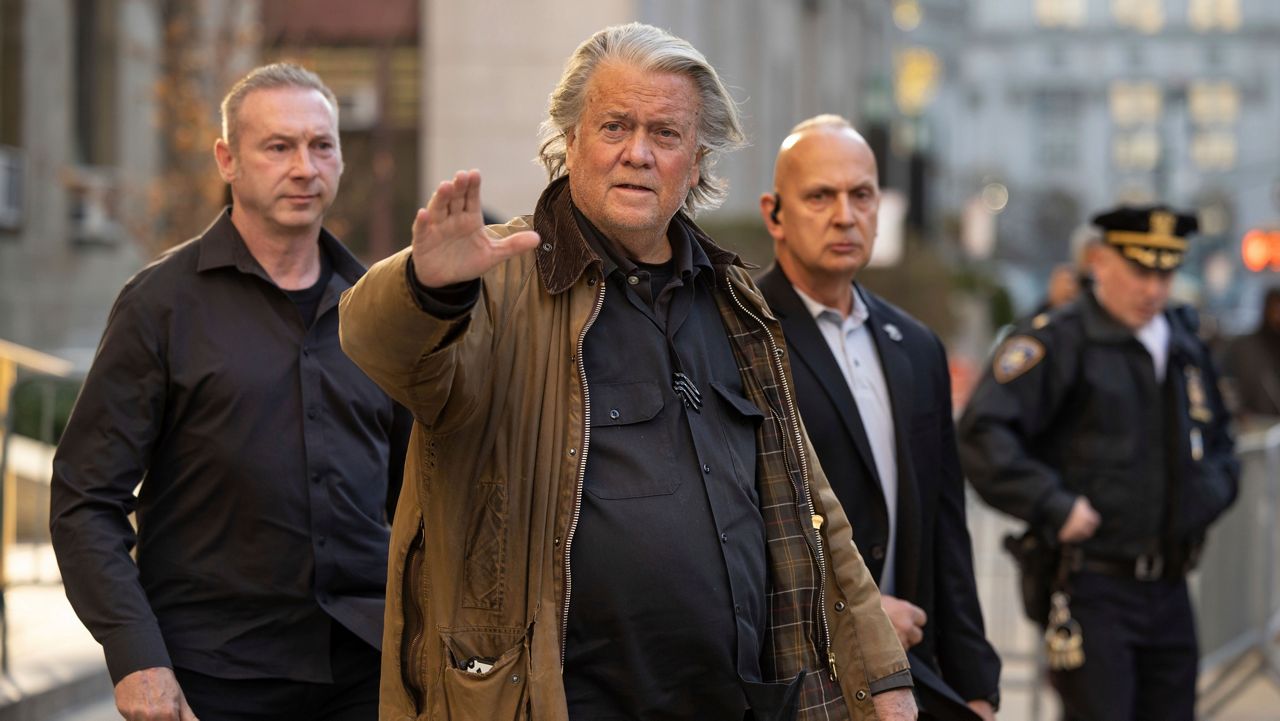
[892,331]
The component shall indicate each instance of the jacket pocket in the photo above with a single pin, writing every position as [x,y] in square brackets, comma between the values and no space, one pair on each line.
[411,597]
[631,413]
[499,690]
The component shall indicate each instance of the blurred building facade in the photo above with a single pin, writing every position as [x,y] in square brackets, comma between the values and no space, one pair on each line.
[90,146]
[108,113]
[490,65]
[1053,109]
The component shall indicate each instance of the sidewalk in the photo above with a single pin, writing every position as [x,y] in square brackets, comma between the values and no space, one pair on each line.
[54,664]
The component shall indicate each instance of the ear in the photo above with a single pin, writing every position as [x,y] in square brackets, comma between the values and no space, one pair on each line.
[696,176]
[769,201]
[570,136]
[225,159]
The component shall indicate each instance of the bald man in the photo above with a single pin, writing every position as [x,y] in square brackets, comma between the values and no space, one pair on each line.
[875,396]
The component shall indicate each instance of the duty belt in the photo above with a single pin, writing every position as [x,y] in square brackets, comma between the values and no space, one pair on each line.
[1147,567]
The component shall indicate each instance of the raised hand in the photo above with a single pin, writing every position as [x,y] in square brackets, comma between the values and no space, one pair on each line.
[450,243]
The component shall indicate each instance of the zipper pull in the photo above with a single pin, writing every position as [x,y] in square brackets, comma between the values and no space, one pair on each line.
[831,663]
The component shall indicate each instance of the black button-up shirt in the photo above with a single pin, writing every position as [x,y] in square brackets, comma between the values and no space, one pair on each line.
[265,458]
[668,558]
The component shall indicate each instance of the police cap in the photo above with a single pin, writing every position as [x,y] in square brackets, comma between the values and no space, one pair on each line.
[1152,236]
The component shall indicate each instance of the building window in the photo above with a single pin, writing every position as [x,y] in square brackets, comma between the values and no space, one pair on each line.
[10,72]
[1135,103]
[1210,15]
[1060,13]
[1213,102]
[1145,16]
[1214,110]
[96,35]
[1057,123]
[1136,150]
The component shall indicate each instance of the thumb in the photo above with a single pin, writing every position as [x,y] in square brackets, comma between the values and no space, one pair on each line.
[516,243]
[184,711]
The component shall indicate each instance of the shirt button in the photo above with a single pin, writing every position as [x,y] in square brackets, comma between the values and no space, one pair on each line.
[311,413]
[737,608]
[322,541]
[706,468]
[724,538]
[573,451]
[633,279]
[614,414]
[877,552]
[315,477]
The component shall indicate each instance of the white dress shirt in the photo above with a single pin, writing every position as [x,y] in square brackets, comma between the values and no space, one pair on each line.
[855,352]
[1155,337]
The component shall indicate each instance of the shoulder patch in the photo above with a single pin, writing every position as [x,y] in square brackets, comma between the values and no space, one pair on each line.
[1018,355]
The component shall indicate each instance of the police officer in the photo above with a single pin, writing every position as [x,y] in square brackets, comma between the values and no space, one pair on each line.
[1100,424]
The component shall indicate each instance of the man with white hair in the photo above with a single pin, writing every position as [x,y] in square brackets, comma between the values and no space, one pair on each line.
[612,508]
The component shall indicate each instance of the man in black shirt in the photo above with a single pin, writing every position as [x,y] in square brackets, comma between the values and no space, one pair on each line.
[267,460]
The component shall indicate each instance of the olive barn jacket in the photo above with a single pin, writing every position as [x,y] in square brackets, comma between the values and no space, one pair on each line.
[480,547]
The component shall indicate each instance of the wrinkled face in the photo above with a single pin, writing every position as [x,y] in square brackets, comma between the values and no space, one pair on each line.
[826,182]
[1131,293]
[285,167]
[633,157]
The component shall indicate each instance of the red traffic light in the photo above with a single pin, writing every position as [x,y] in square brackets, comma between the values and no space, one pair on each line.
[1260,249]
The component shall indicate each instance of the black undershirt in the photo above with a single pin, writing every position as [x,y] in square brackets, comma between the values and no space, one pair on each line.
[308,299]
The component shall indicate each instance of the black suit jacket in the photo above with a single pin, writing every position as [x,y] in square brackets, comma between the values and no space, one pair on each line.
[934,564]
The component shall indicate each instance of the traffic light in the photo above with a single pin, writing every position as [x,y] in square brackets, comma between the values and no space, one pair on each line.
[1260,249]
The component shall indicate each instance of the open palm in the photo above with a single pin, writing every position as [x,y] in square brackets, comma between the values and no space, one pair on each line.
[450,243]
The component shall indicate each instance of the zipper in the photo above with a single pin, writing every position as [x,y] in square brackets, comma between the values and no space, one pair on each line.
[815,544]
[582,470]
[412,583]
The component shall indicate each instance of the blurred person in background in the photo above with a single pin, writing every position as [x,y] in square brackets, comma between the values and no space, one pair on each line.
[875,394]
[612,510]
[1251,363]
[1103,429]
[268,461]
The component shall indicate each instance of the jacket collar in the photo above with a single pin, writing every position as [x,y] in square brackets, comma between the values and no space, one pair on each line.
[221,246]
[1099,326]
[564,254]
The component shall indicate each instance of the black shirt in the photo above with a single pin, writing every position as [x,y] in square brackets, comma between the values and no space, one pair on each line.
[668,558]
[264,455]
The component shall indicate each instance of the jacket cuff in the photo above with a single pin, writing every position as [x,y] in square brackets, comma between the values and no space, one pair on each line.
[133,649]
[900,679]
[1054,510]
[448,303]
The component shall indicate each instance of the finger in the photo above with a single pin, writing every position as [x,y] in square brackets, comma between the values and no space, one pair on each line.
[420,222]
[471,202]
[438,206]
[914,636]
[185,713]
[918,616]
[458,199]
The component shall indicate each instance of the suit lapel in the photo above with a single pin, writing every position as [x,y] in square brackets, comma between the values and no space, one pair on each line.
[895,362]
[809,347]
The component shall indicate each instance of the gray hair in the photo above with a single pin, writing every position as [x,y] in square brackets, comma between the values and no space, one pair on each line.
[268,77]
[654,50]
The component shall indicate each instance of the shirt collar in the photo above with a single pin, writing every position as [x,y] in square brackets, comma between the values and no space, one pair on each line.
[856,318]
[689,256]
[221,246]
